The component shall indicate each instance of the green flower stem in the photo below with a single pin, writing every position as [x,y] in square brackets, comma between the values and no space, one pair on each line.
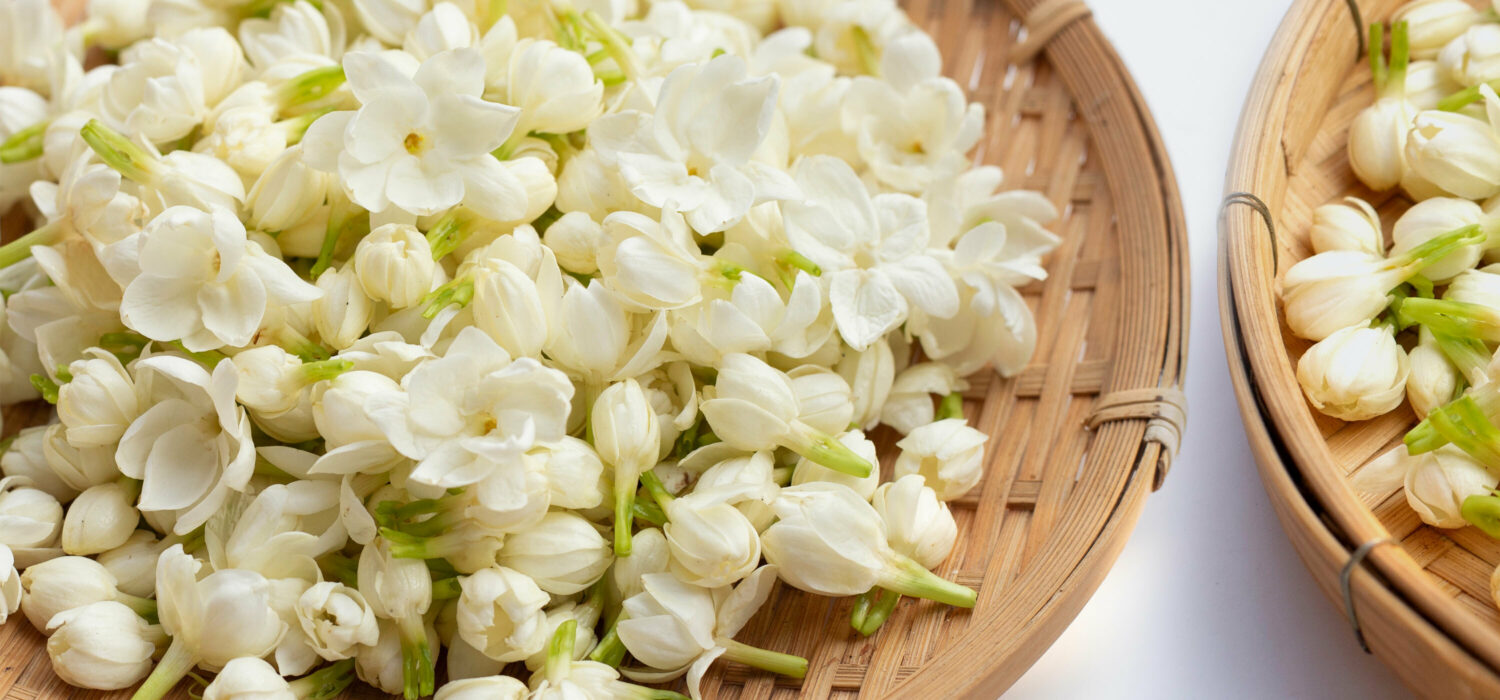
[207,358]
[1468,427]
[310,86]
[1412,261]
[1395,78]
[869,53]
[828,451]
[782,475]
[174,665]
[648,512]
[615,43]
[20,249]
[446,588]
[560,651]
[1483,512]
[450,232]
[417,672]
[907,577]
[124,345]
[765,660]
[458,292]
[46,387]
[320,370]
[325,683]
[344,219]
[341,568]
[658,490]
[952,406]
[1375,54]
[25,144]
[1455,319]
[119,152]
[610,651]
[407,546]
[788,261]
[879,612]
[296,127]
[861,610]
[624,509]
[145,607]
[1469,355]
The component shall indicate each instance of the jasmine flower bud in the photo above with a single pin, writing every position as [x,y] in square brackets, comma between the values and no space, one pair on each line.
[102,645]
[563,554]
[62,584]
[32,517]
[1355,374]
[483,688]
[1432,218]
[133,563]
[336,620]
[101,518]
[1349,225]
[100,402]
[917,524]
[500,613]
[395,265]
[27,457]
[712,543]
[344,311]
[627,437]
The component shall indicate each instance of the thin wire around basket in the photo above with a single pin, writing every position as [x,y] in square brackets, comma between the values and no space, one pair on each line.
[1359,29]
[1346,577]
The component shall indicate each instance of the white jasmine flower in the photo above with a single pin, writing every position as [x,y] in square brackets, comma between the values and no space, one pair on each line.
[10,585]
[562,553]
[713,544]
[32,29]
[870,374]
[193,445]
[64,583]
[917,524]
[165,87]
[100,519]
[732,470]
[753,318]
[829,541]
[20,108]
[443,28]
[210,286]
[28,457]
[554,88]
[1349,225]
[1435,483]
[872,251]
[389,20]
[1355,374]
[1457,153]
[910,403]
[103,645]
[399,590]
[1434,217]
[1435,23]
[695,154]
[676,628]
[248,678]
[382,665]
[948,454]
[473,412]
[421,142]
[30,520]
[597,339]
[500,613]
[100,402]
[914,127]
[133,563]
[494,687]
[295,30]
[336,620]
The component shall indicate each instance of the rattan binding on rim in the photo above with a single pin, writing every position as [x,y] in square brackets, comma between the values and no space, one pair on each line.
[1059,500]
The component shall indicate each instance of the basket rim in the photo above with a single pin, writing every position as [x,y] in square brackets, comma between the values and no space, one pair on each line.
[1114,121]
[1297,469]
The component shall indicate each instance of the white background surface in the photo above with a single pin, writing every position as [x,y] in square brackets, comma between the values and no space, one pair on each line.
[1208,598]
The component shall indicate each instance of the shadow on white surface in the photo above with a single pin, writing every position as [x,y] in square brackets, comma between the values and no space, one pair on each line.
[1208,598]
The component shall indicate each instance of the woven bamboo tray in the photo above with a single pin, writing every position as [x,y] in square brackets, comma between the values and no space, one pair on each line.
[1080,437]
[1417,596]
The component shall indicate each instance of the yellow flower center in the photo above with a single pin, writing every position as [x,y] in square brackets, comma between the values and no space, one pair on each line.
[415,143]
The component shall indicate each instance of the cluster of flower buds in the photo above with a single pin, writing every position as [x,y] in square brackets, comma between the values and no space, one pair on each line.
[388,336]
[1413,315]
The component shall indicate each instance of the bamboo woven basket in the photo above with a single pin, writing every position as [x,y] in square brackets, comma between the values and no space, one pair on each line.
[1079,438]
[1416,596]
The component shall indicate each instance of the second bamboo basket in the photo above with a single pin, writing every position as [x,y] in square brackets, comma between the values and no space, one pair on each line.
[1417,597]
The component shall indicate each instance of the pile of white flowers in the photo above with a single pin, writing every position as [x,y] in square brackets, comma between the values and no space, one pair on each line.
[543,334]
[1417,321]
